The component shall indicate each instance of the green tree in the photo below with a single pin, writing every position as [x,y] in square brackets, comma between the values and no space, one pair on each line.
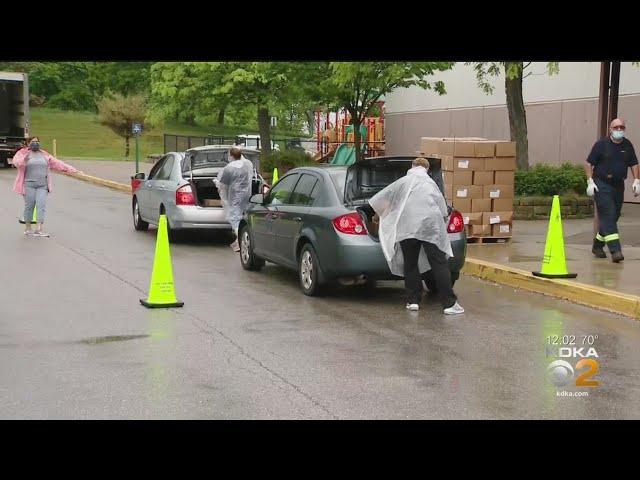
[514,74]
[260,84]
[119,113]
[186,90]
[357,86]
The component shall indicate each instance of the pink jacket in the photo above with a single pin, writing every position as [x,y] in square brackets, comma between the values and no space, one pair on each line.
[54,163]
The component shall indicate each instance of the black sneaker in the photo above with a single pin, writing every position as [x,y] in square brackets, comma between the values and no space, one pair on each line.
[598,252]
[617,257]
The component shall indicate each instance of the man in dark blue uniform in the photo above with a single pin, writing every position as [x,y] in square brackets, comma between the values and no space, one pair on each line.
[606,169]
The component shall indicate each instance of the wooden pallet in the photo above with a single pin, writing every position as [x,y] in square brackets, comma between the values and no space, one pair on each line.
[482,240]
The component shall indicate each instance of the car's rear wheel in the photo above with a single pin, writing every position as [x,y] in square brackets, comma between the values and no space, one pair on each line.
[308,271]
[138,223]
[248,259]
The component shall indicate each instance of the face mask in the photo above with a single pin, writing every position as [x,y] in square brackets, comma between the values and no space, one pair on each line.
[617,134]
[35,146]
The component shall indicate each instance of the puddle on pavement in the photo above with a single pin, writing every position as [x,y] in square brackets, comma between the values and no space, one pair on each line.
[114,338]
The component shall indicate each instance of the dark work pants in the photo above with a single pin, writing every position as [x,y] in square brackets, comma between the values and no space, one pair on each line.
[608,199]
[439,265]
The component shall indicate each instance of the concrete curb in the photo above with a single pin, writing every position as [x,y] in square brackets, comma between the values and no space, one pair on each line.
[121,187]
[583,294]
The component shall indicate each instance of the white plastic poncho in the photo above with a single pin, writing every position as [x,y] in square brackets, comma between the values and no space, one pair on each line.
[411,207]
[234,185]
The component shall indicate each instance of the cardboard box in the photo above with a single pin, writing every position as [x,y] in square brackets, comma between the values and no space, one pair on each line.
[498,191]
[457,147]
[463,178]
[448,192]
[493,218]
[467,191]
[504,177]
[472,218]
[480,230]
[483,178]
[468,164]
[462,204]
[480,205]
[502,205]
[212,203]
[502,230]
[505,149]
[486,148]
[449,163]
[500,163]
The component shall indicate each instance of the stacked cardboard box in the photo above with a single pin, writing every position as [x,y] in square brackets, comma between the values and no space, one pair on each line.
[479,181]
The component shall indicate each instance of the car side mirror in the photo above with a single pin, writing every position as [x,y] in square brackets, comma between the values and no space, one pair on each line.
[139,176]
[257,199]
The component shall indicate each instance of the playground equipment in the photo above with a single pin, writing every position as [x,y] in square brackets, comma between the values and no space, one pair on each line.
[346,152]
[336,138]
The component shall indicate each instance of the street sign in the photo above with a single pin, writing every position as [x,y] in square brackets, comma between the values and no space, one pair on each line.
[137,128]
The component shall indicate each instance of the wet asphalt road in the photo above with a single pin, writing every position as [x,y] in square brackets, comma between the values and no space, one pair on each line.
[76,344]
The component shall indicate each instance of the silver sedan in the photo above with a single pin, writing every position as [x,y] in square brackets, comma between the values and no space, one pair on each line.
[180,185]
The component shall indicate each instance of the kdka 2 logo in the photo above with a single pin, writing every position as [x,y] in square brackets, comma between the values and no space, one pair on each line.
[562,373]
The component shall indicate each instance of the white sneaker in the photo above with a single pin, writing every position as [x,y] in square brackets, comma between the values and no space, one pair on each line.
[455,309]
[235,246]
[414,307]
[29,232]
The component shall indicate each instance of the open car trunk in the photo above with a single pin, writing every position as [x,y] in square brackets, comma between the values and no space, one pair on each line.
[367,177]
[206,193]
[200,167]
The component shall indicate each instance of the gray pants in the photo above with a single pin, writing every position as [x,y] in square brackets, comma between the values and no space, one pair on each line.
[35,196]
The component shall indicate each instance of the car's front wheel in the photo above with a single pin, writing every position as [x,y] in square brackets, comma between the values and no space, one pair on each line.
[248,259]
[308,271]
[138,223]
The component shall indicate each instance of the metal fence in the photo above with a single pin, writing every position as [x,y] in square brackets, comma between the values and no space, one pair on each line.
[181,143]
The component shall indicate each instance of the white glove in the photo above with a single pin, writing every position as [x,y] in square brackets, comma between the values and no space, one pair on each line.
[591,187]
[636,187]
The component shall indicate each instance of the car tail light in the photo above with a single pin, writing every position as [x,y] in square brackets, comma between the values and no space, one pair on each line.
[456,222]
[135,183]
[350,223]
[184,196]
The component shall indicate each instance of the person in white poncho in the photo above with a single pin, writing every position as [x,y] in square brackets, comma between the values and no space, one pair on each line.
[234,185]
[413,234]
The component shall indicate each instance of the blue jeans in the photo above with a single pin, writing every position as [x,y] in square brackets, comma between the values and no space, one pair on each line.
[608,198]
[35,196]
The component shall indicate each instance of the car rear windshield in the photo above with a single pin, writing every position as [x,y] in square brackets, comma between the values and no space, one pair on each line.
[338,178]
[212,159]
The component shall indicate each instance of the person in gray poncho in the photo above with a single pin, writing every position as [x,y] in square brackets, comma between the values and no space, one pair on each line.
[234,185]
[413,234]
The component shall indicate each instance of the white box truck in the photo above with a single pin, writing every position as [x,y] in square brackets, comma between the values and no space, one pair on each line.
[14,114]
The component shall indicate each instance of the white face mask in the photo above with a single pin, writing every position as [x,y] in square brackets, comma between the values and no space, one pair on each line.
[617,134]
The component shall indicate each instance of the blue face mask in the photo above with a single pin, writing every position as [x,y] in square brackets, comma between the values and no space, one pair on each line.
[617,134]
[35,146]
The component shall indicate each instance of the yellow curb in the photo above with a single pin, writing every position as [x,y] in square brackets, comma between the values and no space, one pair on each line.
[100,181]
[589,295]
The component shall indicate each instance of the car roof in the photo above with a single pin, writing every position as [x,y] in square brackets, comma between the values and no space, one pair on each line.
[221,147]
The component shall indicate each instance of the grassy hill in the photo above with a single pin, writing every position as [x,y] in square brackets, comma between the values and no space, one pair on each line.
[79,134]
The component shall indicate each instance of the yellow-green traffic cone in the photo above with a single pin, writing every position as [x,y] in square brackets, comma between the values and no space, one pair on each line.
[161,290]
[554,263]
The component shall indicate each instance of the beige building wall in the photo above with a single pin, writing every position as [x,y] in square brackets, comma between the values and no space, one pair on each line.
[561,119]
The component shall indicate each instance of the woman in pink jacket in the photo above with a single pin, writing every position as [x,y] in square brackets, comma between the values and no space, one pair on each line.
[34,181]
